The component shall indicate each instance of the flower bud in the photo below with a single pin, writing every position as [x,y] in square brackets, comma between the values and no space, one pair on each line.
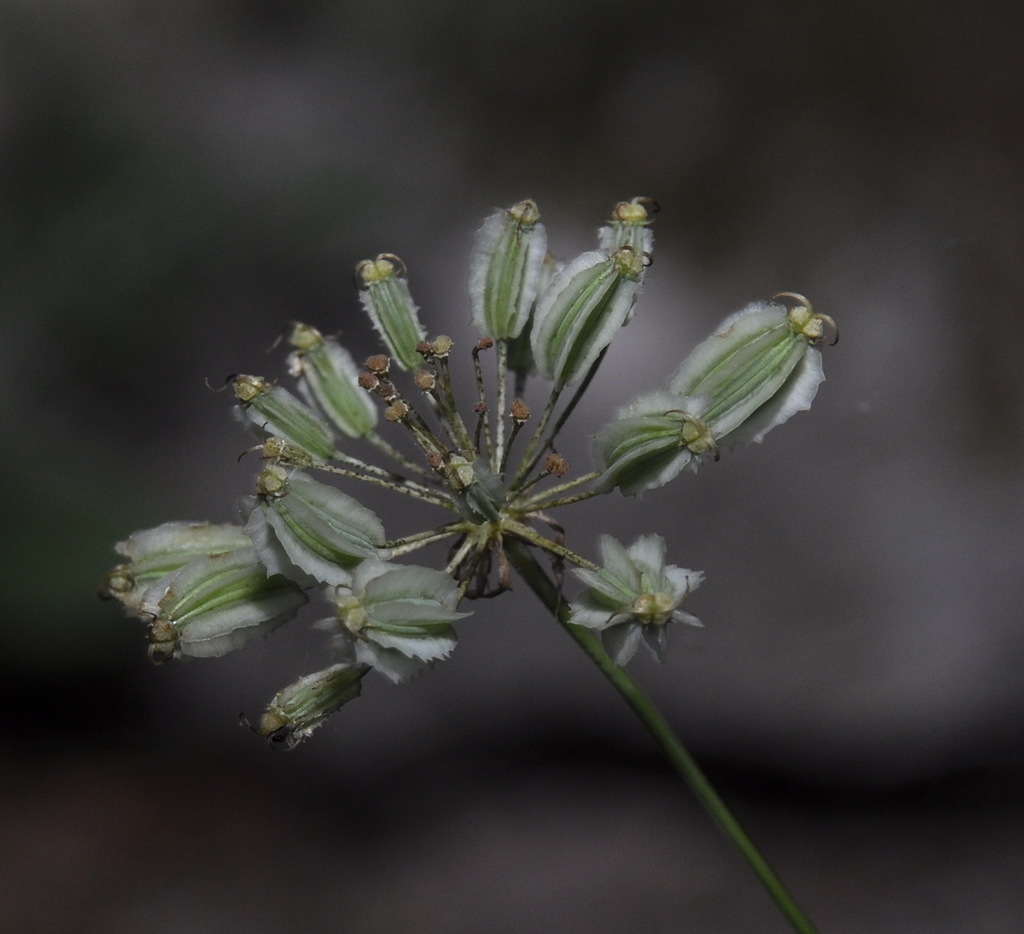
[385,295]
[155,553]
[582,310]
[273,410]
[297,710]
[330,375]
[215,604]
[505,268]
[308,530]
[397,619]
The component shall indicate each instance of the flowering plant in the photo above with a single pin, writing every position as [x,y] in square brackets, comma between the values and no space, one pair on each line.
[206,589]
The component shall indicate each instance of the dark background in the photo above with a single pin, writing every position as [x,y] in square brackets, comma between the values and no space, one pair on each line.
[177,180]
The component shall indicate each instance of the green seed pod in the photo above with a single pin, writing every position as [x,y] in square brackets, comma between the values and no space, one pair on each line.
[396,618]
[649,443]
[505,270]
[330,376]
[746,361]
[272,410]
[215,604]
[154,553]
[755,372]
[297,710]
[310,531]
[385,295]
[582,310]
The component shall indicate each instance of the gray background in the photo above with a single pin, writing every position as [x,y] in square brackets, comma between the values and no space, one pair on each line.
[178,180]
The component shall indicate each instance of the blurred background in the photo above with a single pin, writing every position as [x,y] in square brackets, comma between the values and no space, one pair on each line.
[178,180]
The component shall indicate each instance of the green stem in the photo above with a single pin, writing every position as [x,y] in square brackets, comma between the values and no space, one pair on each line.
[535,577]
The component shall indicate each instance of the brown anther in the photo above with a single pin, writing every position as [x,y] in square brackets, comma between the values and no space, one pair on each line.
[556,465]
[424,379]
[396,411]
[442,345]
[379,364]
[520,411]
[424,349]
[480,408]
[387,391]
[434,461]
[485,343]
[368,381]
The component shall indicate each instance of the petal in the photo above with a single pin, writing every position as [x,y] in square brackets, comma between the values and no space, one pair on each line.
[648,553]
[656,638]
[621,642]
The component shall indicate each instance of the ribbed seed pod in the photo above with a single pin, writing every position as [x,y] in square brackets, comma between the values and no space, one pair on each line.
[273,410]
[582,310]
[505,270]
[328,373]
[297,710]
[309,530]
[385,295]
[215,604]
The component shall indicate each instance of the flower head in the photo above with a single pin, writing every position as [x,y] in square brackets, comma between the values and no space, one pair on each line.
[492,468]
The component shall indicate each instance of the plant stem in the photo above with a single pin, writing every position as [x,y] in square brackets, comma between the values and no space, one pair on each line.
[537,579]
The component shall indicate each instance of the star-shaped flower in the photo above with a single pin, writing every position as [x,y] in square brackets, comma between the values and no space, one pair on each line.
[634,596]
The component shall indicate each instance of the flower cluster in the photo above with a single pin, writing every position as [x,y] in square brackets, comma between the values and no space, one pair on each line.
[206,589]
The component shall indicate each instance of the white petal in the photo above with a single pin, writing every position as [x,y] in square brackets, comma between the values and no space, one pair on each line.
[621,642]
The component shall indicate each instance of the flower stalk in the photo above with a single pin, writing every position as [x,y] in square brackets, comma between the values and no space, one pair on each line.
[661,731]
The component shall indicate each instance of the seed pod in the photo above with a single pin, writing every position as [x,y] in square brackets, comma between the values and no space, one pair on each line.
[582,310]
[397,619]
[215,604]
[328,373]
[273,410]
[748,360]
[756,371]
[297,710]
[308,530]
[634,596]
[155,553]
[385,295]
[629,226]
[649,443]
[505,269]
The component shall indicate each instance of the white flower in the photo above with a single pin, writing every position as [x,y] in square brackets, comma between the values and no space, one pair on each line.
[634,596]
